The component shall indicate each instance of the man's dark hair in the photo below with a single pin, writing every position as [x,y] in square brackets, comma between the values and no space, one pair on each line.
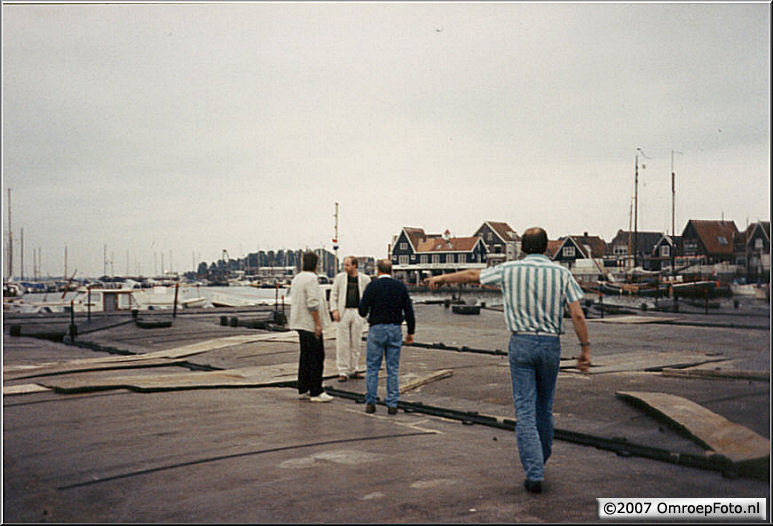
[353,260]
[534,241]
[310,261]
[384,266]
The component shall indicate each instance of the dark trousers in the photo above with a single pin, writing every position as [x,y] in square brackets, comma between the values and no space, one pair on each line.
[311,363]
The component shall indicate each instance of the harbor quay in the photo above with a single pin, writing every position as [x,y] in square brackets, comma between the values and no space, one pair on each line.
[196,418]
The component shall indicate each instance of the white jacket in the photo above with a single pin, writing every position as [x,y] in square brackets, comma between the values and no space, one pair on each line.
[306,296]
[338,294]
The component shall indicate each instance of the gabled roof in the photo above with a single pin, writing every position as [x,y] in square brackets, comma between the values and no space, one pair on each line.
[553,246]
[597,245]
[415,236]
[717,236]
[671,240]
[503,230]
[764,225]
[454,244]
[645,241]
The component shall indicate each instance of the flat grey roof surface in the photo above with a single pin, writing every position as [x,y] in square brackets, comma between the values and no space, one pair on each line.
[258,454]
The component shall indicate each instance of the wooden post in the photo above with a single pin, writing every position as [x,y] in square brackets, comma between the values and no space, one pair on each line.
[174,309]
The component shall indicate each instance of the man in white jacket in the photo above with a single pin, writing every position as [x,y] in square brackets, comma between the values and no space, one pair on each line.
[308,316]
[344,300]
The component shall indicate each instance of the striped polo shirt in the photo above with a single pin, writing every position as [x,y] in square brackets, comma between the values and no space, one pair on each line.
[534,291]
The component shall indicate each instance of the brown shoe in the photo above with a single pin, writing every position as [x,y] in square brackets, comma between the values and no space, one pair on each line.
[370,408]
[342,378]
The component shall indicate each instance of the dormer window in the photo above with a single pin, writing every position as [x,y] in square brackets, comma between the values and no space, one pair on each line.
[722,240]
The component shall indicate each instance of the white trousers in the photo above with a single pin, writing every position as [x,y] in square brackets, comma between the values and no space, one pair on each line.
[349,341]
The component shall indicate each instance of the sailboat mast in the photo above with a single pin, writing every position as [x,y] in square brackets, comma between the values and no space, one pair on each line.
[10,239]
[673,194]
[335,241]
[636,212]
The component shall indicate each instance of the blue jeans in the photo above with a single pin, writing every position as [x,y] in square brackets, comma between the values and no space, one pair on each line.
[384,340]
[534,364]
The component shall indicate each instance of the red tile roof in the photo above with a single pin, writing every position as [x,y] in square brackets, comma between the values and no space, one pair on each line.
[597,245]
[503,230]
[712,234]
[416,235]
[438,244]
[553,245]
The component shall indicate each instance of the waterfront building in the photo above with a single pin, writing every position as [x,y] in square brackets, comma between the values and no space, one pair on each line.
[708,242]
[626,242]
[583,255]
[416,255]
[664,252]
[502,242]
[752,251]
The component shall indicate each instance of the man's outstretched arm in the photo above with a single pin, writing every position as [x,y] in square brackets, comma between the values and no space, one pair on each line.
[471,275]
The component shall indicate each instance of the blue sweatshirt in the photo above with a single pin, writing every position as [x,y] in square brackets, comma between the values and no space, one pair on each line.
[384,301]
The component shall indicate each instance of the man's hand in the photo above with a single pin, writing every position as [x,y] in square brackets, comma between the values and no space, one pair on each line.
[434,282]
[336,315]
[318,330]
[583,361]
[409,339]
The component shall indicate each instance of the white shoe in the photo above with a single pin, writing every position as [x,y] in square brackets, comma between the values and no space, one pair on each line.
[304,396]
[321,397]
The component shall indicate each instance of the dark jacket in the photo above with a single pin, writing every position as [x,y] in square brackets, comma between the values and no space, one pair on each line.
[385,300]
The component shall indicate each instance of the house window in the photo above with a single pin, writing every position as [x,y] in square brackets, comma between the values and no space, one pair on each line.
[488,236]
[758,243]
[435,259]
[665,251]
[403,246]
[568,252]
[423,260]
[403,260]
[451,258]
[722,240]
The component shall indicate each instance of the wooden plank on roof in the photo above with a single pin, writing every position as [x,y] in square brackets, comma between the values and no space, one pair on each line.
[65,367]
[634,319]
[733,441]
[437,375]
[735,374]
[645,361]
[151,359]
[231,378]
[20,389]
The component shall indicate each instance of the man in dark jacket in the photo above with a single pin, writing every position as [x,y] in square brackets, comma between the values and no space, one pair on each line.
[385,303]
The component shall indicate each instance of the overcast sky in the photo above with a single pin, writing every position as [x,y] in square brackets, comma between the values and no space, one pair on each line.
[184,130]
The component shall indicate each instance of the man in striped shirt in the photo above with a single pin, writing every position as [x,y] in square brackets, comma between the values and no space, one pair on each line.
[535,291]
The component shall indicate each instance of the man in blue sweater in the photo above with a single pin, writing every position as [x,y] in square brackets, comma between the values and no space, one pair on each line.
[385,302]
